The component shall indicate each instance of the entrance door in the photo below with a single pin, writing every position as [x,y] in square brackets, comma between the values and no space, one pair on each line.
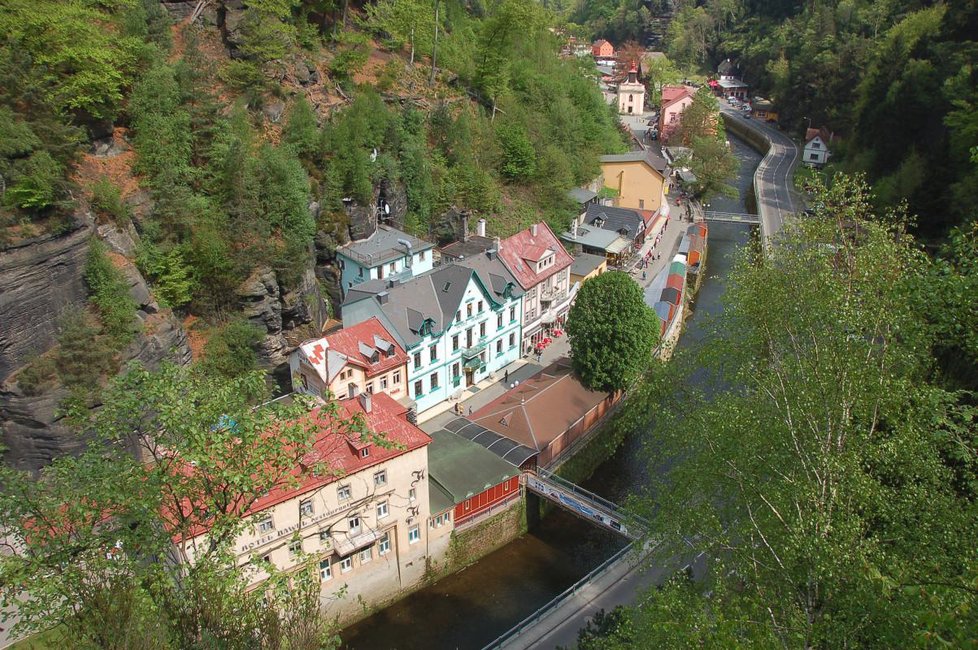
[469,377]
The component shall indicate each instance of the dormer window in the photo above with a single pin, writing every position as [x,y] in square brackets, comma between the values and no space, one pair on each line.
[365,452]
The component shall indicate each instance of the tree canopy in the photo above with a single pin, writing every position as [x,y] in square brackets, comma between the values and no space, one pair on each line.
[612,332]
[816,455]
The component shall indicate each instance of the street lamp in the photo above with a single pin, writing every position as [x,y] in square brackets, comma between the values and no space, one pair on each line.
[809,123]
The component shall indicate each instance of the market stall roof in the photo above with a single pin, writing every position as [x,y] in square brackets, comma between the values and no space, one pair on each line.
[620,244]
[677,268]
[671,295]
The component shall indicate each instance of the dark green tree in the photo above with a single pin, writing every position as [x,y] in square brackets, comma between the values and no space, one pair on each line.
[612,332]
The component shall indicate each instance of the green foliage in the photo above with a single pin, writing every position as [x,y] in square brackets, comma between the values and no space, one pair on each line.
[519,159]
[351,55]
[816,456]
[107,200]
[267,29]
[36,182]
[612,332]
[84,356]
[300,132]
[37,374]
[95,528]
[170,273]
[85,62]
[109,291]
[231,351]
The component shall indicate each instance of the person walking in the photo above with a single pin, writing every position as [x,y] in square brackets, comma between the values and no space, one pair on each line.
[506,377]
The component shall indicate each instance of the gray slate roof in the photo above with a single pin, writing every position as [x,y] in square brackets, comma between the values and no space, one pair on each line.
[382,246]
[493,273]
[615,219]
[582,195]
[591,237]
[435,295]
[584,263]
[464,468]
[657,162]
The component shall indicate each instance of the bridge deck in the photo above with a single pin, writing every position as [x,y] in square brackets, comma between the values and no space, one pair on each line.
[582,503]
[732,217]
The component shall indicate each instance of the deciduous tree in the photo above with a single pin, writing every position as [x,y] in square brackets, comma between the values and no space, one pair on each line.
[612,332]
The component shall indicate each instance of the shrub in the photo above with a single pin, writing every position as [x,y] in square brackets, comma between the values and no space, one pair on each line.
[37,374]
[231,350]
[173,281]
[84,356]
[109,292]
[107,201]
[351,55]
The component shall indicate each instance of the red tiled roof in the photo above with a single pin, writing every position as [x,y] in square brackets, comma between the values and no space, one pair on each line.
[671,94]
[338,451]
[524,245]
[648,216]
[347,342]
[821,132]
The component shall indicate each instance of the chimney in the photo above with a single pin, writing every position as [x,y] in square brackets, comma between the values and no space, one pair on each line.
[499,244]
[491,253]
[480,228]
[533,230]
[391,283]
[382,297]
[463,218]
[365,401]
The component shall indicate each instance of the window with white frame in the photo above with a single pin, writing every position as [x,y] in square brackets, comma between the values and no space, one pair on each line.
[366,555]
[295,548]
[325,569]
[414,534]
[266,524]
[343,493]
[380,478]
[384,547]
[417,388]
[382,510]
[412,494]
[512,314]
[383,383]
[499,347]
[499,320]
[397,377]
[353,524]
[305,508]
[512,339]
[325,539]
[346,564]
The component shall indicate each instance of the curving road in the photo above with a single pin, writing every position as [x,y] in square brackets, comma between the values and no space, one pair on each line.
[773,180]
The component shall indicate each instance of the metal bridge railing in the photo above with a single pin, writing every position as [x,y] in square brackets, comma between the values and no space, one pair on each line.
[587,495]
[558,600]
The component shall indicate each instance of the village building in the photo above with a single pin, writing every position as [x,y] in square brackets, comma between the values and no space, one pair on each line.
[597,241]
[583,197]
[363,358]
[675,100]
[631,94]
[816,152]
[640,179]
[602,49]
[763,109]
[471,482]
[629,224]
[587,266]
[387,253]
[458,326]
[545,414]
[541,266]
[729,83]
[467,245]
[364,524]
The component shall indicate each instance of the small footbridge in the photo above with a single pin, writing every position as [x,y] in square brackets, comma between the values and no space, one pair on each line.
[731,217]
[583,503]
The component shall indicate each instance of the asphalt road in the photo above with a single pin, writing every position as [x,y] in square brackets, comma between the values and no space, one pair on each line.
[773,179]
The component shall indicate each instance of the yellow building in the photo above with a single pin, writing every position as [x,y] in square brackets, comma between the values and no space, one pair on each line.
[640,178]
[587,266]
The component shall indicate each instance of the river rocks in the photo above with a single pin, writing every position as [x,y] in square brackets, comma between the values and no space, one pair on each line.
[38,279]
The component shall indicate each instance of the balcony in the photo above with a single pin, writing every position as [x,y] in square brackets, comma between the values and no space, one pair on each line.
[473,352]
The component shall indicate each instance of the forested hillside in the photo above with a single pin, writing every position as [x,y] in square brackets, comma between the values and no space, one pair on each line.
[896,79]
[222,150]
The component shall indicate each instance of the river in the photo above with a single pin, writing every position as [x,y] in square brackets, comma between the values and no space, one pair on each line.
[473,607]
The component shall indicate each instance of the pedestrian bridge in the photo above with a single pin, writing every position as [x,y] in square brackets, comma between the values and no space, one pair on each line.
[731,217]
[583,503]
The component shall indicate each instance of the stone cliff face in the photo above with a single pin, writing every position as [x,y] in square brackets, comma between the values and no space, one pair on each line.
[288,316]
[37,281]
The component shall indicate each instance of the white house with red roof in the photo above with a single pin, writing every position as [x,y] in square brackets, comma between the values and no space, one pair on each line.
[363,358]
[816,151]
[364,522]
[541,266]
